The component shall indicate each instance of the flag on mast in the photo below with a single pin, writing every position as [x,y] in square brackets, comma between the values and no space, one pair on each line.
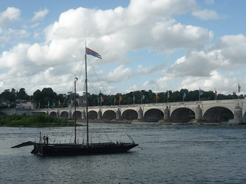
[184,95]
[168,94]
[143,97]
[215,94]
[93,53]
[102,99]
[239,88]
[156,98]
[200,92]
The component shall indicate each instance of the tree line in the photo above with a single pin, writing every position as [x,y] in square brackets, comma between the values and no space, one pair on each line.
[43,97]
[48,98]
[145,97]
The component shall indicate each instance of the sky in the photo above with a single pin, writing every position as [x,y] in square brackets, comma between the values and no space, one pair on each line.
[156,45]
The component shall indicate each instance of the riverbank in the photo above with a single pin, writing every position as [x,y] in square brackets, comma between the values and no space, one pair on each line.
[40,120]
[161,122]
[40,125]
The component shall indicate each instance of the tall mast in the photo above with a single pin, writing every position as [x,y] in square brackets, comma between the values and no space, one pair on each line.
[86,99]
[75,111]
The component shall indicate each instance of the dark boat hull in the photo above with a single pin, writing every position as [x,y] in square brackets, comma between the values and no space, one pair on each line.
[71,149]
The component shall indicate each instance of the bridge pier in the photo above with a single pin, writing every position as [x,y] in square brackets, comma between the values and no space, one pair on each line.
[140,114]
[83,114]
[70,114]
[118,114]
[99,114]
[198,113]
[166,114]
[166,118]
[238,114]
[58,114]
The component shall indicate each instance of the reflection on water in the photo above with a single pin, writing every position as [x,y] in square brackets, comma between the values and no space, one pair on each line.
[166,154]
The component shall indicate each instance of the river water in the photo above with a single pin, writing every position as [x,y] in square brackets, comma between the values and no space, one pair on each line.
[166,154]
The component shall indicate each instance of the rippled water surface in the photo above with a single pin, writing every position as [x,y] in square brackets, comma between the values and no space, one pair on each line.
[166,154]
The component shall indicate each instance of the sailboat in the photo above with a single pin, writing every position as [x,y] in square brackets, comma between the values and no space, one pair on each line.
[58,149]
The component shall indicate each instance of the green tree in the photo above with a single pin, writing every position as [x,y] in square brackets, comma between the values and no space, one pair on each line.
[37,95]
[8,95]
[22,94]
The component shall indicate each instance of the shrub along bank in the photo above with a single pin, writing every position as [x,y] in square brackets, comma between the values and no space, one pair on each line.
[40,120]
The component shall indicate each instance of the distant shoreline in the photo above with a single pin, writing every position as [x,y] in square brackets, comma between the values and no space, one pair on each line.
[81,122]
[202,123]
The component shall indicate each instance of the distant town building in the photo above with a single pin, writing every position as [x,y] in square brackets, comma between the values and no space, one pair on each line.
[5,102]
[24,104]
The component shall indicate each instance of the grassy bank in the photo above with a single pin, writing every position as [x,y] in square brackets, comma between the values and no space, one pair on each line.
[39,120]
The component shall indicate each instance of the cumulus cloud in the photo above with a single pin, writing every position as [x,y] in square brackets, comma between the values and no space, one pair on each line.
[139,87]
[15,57]
[40,14]
[218,81]
[10,35]
[57,52]
[142,9]
[227,53]
[232,48]
[143,25]
[149,70]
[118,74]
[180,36]
[220,67]
[206,14]
[117,32]
[9,15]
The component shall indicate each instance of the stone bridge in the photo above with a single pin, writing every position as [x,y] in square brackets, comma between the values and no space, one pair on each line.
[209,111]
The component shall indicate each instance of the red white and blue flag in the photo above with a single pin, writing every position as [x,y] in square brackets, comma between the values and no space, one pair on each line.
[93,53]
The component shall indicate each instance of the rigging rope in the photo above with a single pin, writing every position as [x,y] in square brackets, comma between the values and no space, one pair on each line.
[97,77]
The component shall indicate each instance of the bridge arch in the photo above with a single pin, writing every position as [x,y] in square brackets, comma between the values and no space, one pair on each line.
[153,115]
[109,114]
[53,113]
[64,114]
[129,114]
[78,115]
[182,115]
[214,114]
[92,114]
